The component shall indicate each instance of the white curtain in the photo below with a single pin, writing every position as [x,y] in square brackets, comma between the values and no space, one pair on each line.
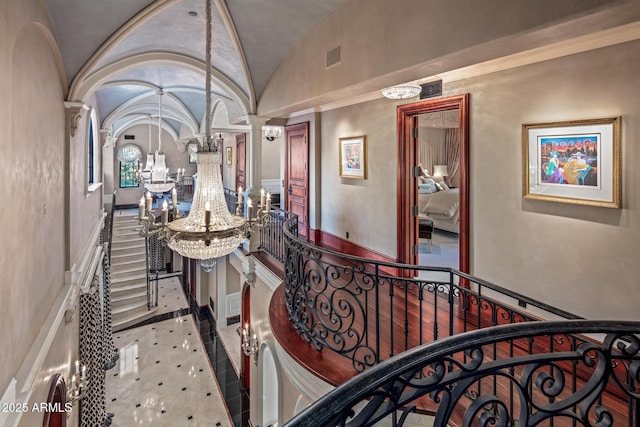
[440,146]
[452,151]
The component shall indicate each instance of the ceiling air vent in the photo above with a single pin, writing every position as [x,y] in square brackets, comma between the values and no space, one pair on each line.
[333,57]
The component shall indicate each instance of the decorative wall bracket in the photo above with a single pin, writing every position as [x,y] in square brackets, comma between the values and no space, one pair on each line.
[74,113]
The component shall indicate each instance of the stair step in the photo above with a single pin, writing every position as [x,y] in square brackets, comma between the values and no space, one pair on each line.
[124,308]
[121,218]
[119,282]
[133,318]
[128,241]
[129,263]
[119,225]
[117,258]
[126,250]
[127,275]
[133,288]
[131,233]
[127,300]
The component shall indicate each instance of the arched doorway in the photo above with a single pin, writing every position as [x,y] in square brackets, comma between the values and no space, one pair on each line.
[56,415]
[407,180]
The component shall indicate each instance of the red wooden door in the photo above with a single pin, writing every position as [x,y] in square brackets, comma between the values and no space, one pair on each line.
[296,174]
[241,161]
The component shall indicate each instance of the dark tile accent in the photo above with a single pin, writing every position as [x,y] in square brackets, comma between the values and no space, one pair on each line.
[235,397]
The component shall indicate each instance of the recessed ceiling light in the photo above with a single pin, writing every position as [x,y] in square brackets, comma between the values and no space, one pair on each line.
[192,13]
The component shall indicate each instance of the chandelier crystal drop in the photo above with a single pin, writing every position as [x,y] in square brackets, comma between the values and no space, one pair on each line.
[401,91]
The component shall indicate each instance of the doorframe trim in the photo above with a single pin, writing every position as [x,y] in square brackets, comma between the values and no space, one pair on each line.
[407,224]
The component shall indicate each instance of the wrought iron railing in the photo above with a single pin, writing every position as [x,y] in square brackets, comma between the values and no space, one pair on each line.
[231,197]
[272,235]
[369,311]
[528,374]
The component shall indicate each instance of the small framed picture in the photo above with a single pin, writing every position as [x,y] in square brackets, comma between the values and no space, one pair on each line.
[353,157]
[229,156]
[575,162]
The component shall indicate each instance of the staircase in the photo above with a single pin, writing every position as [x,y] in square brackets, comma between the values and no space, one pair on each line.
[128,274]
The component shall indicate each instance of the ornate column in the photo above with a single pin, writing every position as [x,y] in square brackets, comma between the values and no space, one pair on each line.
[254,169]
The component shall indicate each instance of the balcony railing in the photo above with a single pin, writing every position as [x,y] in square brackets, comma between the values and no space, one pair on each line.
[534,374]
[464,354]
[272,236]
[369,311]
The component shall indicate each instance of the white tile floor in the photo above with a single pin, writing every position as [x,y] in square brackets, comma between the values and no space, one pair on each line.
[164,378]
[170,296]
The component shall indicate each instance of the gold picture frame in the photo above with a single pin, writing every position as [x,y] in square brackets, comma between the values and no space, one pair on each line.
[353,157]
[229,156]
[576,162]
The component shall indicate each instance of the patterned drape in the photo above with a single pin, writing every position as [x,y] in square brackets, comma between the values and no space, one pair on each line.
[111,354]
[93,405]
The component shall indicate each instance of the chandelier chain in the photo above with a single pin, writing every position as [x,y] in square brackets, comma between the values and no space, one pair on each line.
[208,142]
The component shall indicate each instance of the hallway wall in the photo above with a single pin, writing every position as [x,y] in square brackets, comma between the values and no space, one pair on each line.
[32,168]
[42,176]
[578,258]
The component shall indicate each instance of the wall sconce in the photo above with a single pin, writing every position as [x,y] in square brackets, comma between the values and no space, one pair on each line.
[78,384]
[271,133]
[249,347]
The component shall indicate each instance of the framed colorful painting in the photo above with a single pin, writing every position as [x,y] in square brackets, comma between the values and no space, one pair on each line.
[353,157]
[573,162]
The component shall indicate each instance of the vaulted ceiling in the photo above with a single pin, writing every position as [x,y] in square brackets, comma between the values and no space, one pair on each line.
[129,52]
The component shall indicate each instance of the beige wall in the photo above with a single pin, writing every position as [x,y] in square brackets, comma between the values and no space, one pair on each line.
[32,226]
[85,209]
[578,258]
[33,180]
[582,259]
[359,206]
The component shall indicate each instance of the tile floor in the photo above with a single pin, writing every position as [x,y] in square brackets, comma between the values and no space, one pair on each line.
[174,371]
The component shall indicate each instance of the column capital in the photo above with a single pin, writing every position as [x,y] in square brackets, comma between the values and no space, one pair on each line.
[255,121]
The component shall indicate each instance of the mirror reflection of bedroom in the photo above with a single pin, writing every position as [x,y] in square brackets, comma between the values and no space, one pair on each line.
[438,154]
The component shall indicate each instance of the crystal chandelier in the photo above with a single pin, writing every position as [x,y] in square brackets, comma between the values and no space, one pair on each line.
[209,231]
[401,91]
